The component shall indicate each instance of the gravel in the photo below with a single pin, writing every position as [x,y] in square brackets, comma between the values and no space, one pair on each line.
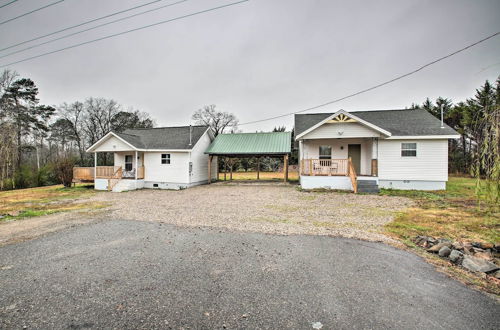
[273,209]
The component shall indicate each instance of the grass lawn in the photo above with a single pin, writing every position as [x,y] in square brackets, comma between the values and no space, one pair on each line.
[274,176]
[453,214]
[32,202]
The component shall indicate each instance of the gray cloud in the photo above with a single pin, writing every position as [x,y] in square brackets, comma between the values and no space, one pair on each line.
[261,58]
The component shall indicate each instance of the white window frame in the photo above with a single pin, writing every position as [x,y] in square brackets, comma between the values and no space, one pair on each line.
[131,162]
[408,147]
[165,160]
[320,155]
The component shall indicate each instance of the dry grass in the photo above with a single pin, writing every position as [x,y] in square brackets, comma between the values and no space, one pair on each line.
[453,214]
[32,202]
[248,176]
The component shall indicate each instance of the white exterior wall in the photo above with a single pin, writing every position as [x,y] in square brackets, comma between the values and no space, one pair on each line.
[112,144]
[175,172]
[430,164]
[119,158]
[341,130]
[310,150]
[200,161]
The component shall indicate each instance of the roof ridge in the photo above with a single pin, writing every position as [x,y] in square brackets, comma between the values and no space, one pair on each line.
[373,110]
[254,133]
[183,126]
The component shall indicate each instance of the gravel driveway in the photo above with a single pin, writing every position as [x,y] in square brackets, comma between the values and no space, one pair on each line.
[275,209]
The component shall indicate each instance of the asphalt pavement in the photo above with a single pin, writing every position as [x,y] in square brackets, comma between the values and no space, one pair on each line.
[131,274]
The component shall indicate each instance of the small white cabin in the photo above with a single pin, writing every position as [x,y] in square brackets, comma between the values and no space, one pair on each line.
[163,158]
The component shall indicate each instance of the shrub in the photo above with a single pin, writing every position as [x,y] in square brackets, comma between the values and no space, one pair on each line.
[63,169]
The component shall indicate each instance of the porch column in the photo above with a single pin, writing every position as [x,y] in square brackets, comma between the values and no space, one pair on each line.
[285,168]
[95,166]
[258,168]
[136,167]
[210,169]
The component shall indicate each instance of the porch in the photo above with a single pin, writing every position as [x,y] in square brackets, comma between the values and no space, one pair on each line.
[348,162]
[88,174]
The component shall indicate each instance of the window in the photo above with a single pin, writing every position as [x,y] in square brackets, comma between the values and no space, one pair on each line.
[128,162]
[165,158]
[408,150]
[325,152]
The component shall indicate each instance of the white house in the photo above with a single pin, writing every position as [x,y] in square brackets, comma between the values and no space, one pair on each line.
[365,150]
[164,158]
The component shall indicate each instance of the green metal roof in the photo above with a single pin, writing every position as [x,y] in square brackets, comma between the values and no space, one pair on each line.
[275,143]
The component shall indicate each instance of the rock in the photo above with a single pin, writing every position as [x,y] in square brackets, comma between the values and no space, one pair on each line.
[486,246]
[468,249]
[478,265]
[455,256]
[13,213]
[476,249]
[438,247]
[483,255]
[457,246]
[443,240]
[444,251]
[476,244]
[497,274]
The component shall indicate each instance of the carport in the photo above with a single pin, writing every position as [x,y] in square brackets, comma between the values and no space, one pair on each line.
[247,145]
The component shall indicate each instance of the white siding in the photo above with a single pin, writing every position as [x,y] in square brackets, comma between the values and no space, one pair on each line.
[310,150]
[175,172]
[119,158]
[112,144]
[341,130]
[200,160]
[431,162]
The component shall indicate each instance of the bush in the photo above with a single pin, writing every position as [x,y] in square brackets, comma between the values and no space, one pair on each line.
[63,170]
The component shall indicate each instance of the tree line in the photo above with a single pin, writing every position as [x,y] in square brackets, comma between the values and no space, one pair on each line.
[477,151]
[36,139]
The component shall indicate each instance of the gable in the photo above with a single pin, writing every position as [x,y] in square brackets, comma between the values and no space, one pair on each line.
[342,124]
[112,144]
[341,129]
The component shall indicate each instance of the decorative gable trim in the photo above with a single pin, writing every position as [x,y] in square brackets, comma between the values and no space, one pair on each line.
[343,116]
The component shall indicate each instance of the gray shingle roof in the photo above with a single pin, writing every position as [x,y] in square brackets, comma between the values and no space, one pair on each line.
[406,122]
[163,138]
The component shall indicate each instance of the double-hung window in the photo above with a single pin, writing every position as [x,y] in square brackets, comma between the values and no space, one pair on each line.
[165,158]
[325,152]
[128,162]
[408,150]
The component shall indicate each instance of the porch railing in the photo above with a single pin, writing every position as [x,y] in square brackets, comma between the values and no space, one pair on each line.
[329,167]
[104,172]
[83,174]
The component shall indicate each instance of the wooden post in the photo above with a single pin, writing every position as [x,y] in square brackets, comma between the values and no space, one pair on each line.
[310,166]
[258,168]
[217,168]
[95,166]
[285,169]
[231,171]
[210,169]
[225,167]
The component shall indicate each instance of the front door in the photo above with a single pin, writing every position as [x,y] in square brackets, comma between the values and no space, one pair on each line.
[354,152]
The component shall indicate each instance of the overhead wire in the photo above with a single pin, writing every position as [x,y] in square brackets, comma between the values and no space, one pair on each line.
[420,68]
[92,28]
[125,32]
[31,12]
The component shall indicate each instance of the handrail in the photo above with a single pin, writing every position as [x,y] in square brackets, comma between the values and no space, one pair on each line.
[117,175]
[324,167]
[352,175]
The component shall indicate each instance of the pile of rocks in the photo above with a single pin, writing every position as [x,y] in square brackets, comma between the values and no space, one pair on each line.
[473,256]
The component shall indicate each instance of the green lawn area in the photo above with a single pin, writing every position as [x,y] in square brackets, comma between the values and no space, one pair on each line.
[273,176]
[22,203]
[453,214]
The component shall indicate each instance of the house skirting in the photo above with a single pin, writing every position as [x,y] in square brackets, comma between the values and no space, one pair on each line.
[412,184]
[172,185]
[325,182]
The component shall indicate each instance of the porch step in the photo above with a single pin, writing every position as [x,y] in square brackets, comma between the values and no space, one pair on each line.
[368,186]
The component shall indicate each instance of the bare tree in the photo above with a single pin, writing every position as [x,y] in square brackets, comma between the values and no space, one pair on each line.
[219,121]
[73,114]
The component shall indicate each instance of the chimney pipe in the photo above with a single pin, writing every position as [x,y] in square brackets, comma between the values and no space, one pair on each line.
[442,117]
[190,135]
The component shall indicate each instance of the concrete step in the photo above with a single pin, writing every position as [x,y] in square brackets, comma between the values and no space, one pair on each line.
[369,191]
[368,186]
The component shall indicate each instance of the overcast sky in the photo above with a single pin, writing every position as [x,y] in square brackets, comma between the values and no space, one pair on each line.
[260,58]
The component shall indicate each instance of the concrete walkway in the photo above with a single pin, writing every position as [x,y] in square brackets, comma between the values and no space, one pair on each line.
[132,274]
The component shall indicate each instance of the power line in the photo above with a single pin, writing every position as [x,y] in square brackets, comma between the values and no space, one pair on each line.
[125,32]
[92,28]
[378,85]
[31,12]
[8,3]
[81,24]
